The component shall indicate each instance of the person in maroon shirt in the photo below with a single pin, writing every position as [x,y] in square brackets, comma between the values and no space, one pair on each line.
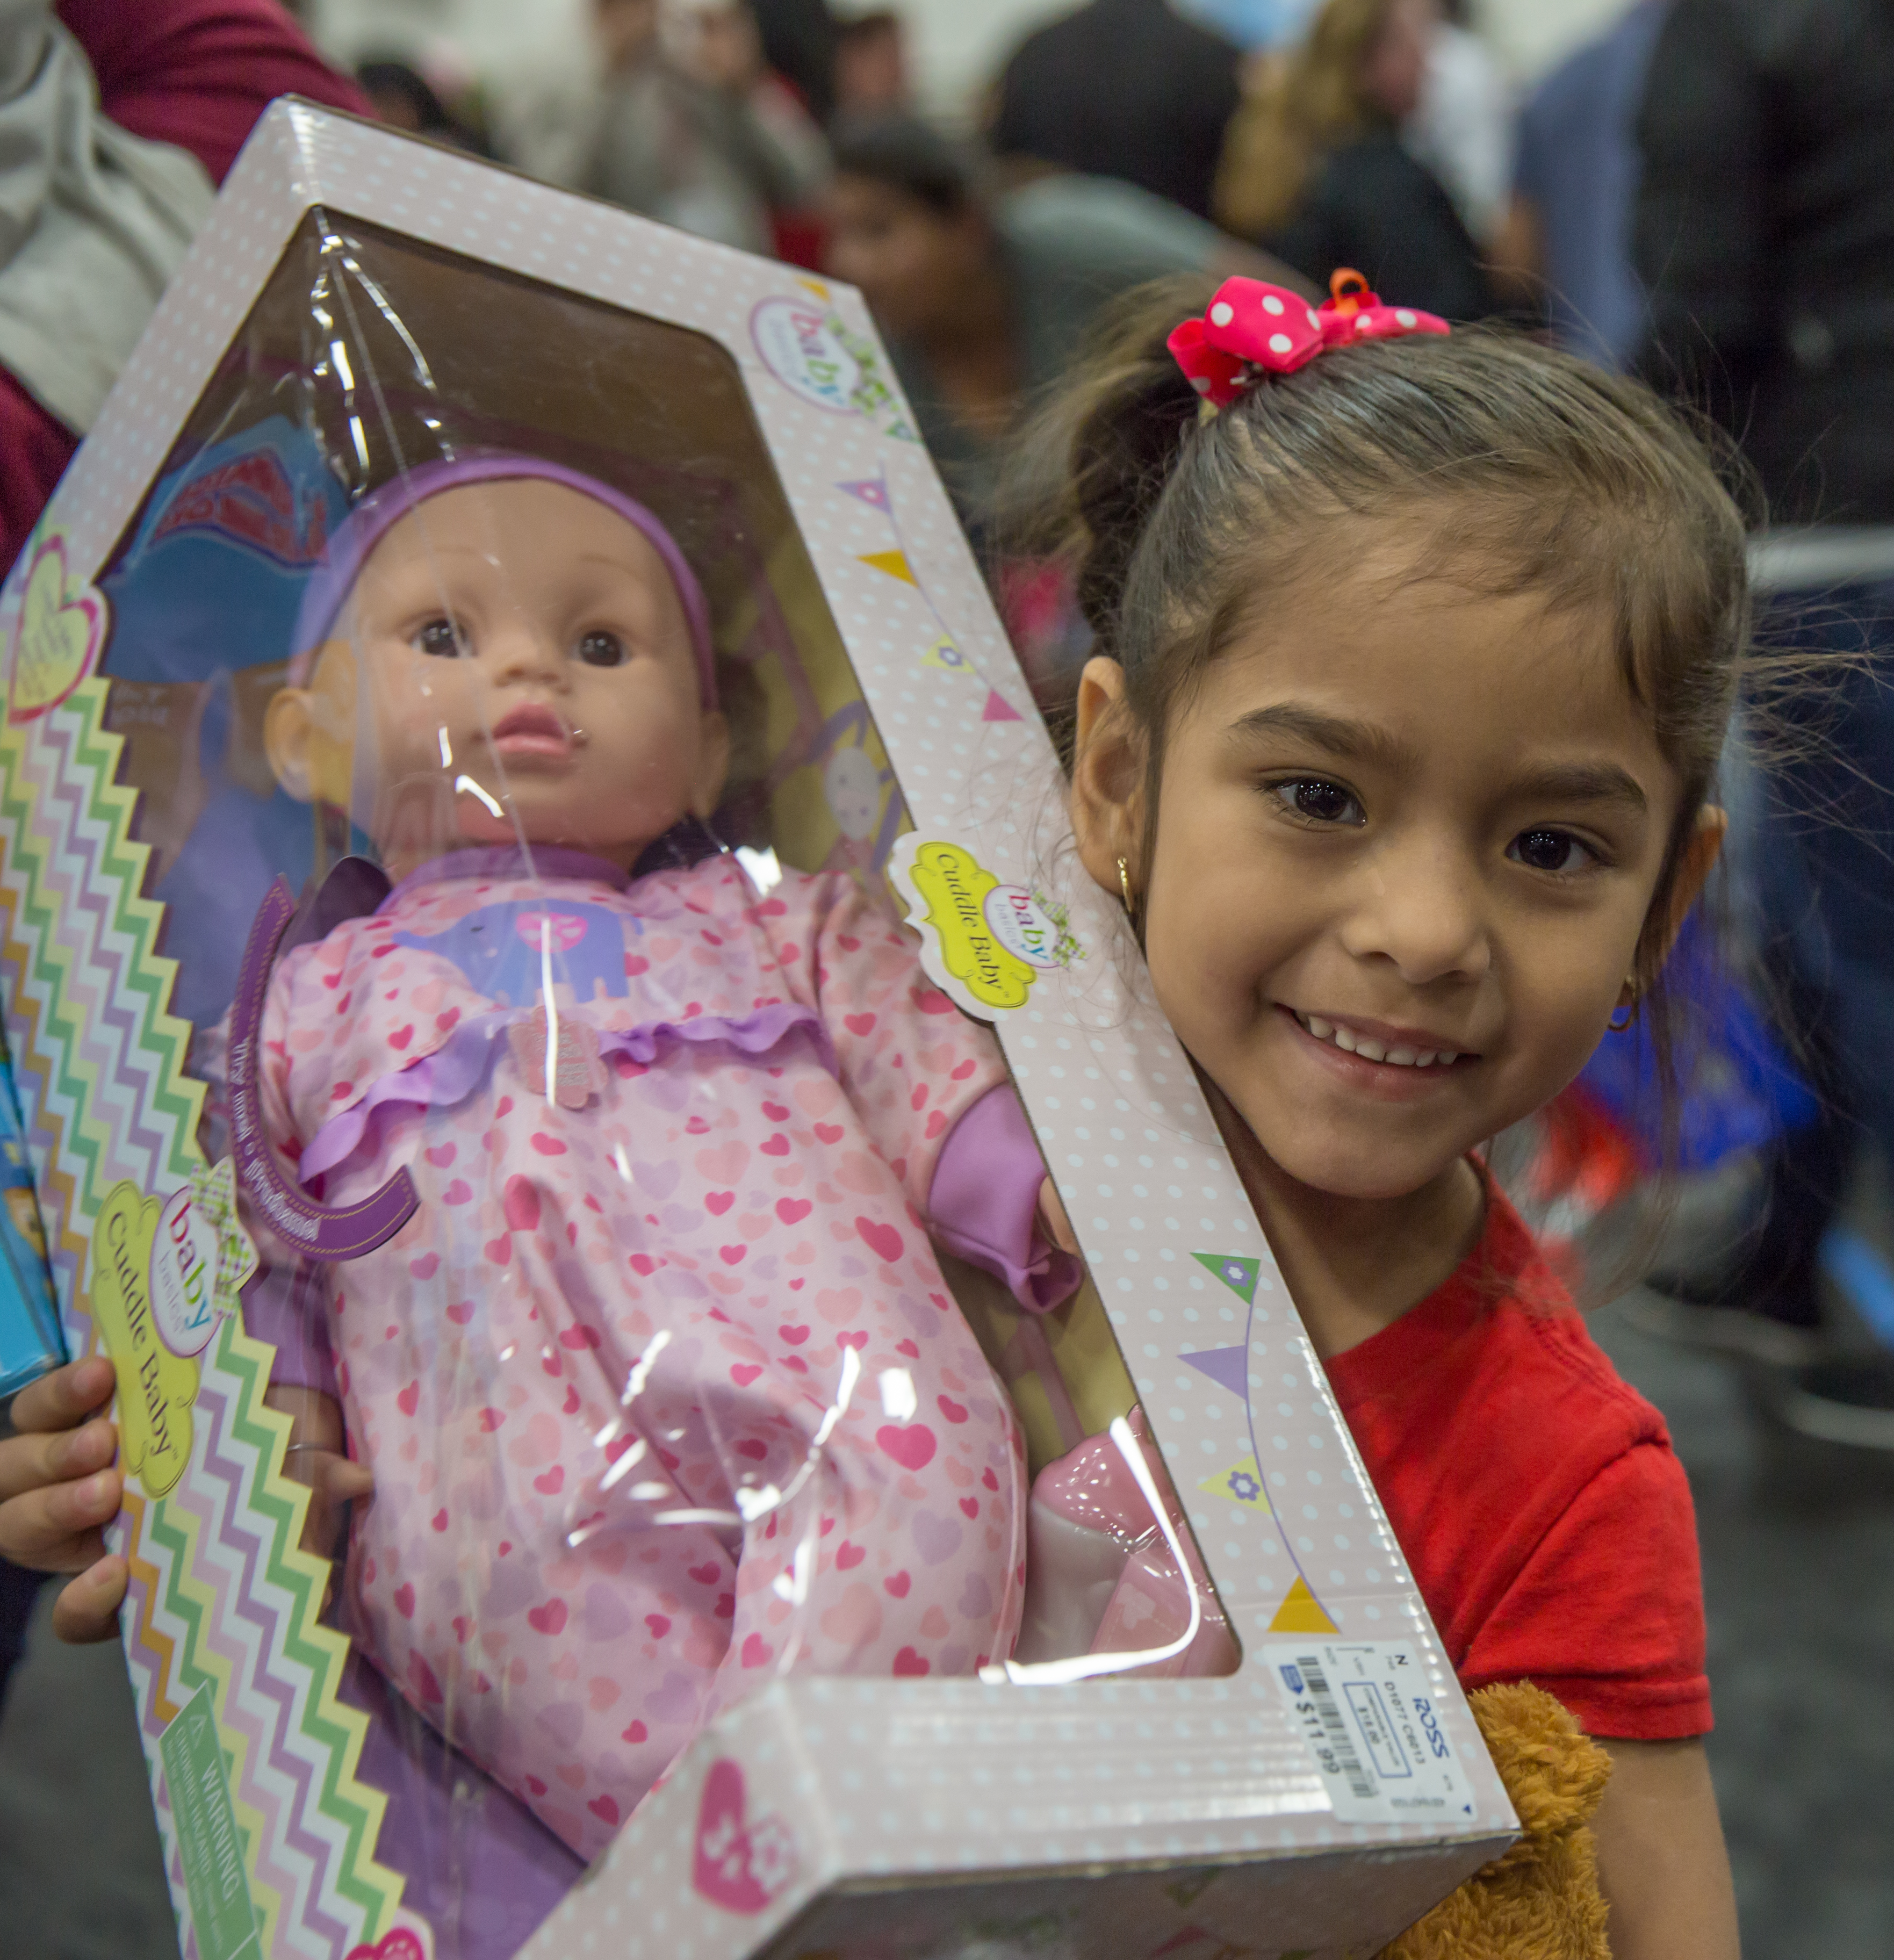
[193,74]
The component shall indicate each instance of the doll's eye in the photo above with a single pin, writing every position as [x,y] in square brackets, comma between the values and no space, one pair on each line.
[438,637]
[602,649]
[1315,802]
[1556,851]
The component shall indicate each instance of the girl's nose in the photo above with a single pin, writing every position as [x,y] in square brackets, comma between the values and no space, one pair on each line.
[1420,908]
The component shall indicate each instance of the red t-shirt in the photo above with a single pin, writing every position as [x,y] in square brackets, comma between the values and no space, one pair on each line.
[1549,1526]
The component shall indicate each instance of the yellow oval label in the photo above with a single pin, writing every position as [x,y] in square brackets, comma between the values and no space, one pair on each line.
[156,1387]
[954,885]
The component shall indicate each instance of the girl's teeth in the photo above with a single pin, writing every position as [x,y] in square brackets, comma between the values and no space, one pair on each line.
[1371,1050]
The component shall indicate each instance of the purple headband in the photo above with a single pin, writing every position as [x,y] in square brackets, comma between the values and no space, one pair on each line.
[378,513]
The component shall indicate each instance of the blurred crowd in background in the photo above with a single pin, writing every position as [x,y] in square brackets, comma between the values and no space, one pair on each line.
[1698,191]
[1695,191]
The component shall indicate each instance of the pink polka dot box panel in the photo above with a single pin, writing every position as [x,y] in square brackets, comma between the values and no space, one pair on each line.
[767,1512]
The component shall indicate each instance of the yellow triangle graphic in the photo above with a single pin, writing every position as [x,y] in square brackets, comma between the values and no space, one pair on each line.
[894,563]
[944,654]
[814,286]
[1301,1613]
[1240,1484]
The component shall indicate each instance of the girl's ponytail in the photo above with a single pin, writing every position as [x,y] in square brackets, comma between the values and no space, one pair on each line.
[1089,469]
[1131,411]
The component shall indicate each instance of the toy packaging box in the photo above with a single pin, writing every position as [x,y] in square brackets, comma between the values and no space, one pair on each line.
[564,1050]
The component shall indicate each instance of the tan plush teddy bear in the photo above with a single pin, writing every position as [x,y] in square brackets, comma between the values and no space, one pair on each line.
[1540,1901]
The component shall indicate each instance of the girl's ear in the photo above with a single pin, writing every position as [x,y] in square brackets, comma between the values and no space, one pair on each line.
[1108,779]
[713,764]
[309,733]
[1695,862]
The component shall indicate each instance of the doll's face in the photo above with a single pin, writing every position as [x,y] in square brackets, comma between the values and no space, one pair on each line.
[513,662]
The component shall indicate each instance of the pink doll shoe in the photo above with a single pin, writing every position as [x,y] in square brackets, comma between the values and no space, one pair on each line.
[1101,1577]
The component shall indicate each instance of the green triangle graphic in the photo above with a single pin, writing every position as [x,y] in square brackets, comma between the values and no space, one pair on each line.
[1238,1274]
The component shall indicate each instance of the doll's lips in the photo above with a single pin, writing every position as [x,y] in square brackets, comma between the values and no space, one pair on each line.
[530,730]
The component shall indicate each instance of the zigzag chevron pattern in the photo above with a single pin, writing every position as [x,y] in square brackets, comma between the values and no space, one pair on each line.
[220,1592]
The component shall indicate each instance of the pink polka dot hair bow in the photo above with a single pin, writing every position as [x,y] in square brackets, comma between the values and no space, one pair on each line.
[1251,329]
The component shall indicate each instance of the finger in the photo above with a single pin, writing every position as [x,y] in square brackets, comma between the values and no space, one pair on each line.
[87,1607]
[1058,1227]
[343,1481]
[33,1462]
[43,1529]
[59,1400]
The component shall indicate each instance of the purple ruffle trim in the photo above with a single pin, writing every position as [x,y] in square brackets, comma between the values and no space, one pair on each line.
[452,1072]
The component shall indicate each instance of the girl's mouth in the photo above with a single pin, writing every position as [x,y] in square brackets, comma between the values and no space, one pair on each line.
[533,729]
[1408,1051]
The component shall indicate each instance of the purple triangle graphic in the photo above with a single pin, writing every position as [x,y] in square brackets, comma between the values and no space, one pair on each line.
[1228,1367]
[869,489]
[998,708]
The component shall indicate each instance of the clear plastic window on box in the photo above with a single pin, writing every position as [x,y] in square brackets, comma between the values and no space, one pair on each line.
[631,1212]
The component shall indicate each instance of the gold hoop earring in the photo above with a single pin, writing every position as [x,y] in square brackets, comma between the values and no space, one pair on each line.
[1124,885]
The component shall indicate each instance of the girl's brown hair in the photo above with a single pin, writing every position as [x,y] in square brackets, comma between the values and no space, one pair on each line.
[1309,102]
[1520,468]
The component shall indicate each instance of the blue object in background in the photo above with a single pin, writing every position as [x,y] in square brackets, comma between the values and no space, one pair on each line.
[208,587]
[1737,1091]
[31,1343]
[1253,23]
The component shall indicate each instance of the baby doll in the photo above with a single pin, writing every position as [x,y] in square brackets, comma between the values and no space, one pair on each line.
[660,1388]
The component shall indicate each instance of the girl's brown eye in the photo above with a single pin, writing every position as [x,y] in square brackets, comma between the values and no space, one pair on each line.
[1315,802]
[1556,851]
[438,637]
[602,649]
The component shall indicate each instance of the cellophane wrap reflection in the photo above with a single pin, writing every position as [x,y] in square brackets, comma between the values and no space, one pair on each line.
[475,613]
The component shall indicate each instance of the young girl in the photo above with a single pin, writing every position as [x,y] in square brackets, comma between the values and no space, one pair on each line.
[1415,660]
[1415,656]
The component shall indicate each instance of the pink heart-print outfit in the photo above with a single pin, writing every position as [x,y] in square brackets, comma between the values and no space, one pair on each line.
[662,1388]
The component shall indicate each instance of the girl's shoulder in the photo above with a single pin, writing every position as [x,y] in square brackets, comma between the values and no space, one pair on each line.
[1498,1352]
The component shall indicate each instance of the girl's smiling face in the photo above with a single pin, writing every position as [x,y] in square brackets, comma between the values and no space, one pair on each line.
[1401,818]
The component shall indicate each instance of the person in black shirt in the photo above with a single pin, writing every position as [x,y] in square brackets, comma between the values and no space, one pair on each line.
[1765,235]
[1314,169]
[1122,88]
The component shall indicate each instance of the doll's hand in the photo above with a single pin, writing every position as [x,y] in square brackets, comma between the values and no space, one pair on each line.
[58,1490]
[317,1456]
[1059,1227]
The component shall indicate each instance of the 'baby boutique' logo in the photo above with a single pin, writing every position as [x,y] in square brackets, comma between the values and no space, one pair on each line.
[800,347]
[986,942]
[814,353]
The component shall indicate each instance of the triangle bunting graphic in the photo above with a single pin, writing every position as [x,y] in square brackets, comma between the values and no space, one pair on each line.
[1228,1367]
[1242,1484]
[1301,1612]
[1238,1273]
[998,708]
[868,490]
[945,655]
[894,563]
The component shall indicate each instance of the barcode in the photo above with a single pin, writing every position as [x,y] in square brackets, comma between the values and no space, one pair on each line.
[1335,1729]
